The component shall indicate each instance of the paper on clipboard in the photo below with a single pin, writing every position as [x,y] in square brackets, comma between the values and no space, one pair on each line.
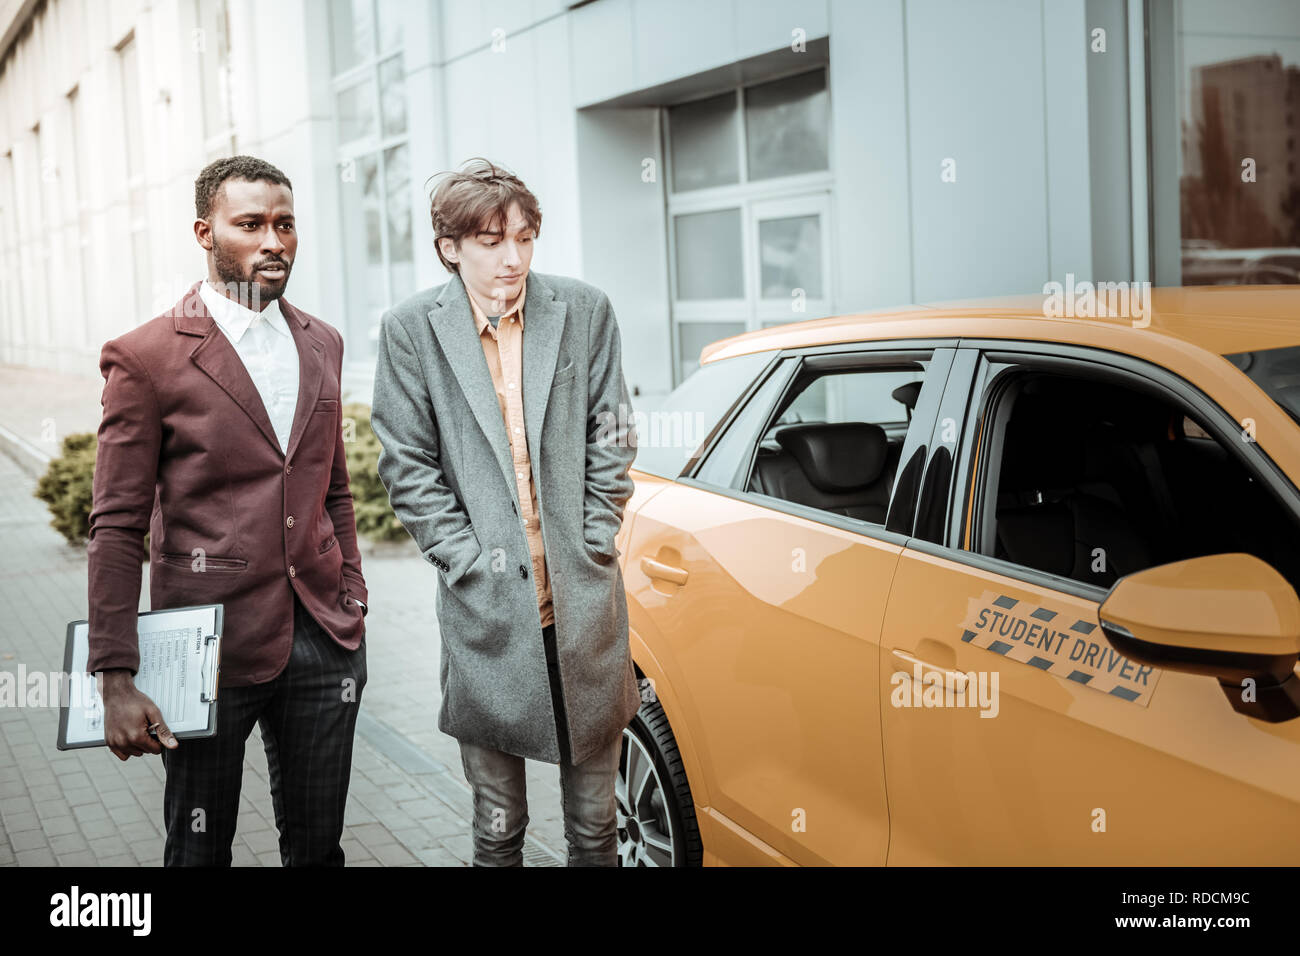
[179,653]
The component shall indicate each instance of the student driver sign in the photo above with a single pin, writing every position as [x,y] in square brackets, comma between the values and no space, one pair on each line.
[1058,642]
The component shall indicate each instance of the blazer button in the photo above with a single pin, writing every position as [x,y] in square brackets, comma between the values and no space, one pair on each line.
[289,521]
[293,572]
[523,572]
[288,469]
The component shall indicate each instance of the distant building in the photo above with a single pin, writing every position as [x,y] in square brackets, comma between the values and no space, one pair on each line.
[715,166]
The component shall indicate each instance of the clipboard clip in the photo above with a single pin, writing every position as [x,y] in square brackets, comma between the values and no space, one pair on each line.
[211,651]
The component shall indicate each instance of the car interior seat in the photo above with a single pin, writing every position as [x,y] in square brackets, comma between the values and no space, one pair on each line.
[841,467]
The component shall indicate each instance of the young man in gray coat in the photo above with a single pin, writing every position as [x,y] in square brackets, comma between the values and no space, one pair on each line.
[506,441]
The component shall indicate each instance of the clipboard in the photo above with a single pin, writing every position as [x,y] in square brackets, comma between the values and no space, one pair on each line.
[180,658]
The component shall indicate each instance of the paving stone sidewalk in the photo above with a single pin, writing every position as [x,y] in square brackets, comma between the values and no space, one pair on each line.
[408,804]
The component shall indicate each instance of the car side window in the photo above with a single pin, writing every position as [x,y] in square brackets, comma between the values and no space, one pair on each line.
[679,424]
[834,440]
[728,460]
[1091,480]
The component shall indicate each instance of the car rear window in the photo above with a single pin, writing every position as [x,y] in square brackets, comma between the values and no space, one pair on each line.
[670,433]
[1277,372]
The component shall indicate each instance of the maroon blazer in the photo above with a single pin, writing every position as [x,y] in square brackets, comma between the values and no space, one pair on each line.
[187,452]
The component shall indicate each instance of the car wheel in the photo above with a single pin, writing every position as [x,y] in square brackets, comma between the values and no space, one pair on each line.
[656,817]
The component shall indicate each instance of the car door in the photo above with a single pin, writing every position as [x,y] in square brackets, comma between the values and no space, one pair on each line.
[1013,731]
[766,612]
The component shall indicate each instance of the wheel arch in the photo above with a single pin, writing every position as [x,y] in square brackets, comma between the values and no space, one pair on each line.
[646,664]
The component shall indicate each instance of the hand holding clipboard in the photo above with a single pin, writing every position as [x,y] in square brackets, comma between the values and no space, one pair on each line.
[170,698]
[133,724]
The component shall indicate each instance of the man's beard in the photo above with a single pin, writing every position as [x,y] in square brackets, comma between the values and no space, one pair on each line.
[248,290]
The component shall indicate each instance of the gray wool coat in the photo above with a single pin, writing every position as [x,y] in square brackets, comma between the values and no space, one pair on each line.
[446,464]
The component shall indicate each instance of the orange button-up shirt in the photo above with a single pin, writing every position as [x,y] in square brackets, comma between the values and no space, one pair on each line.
[503,347]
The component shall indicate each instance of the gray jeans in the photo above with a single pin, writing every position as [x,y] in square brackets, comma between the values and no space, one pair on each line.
[586,794]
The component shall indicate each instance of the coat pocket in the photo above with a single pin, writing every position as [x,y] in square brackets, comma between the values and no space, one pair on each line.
[327,544]
[565,375]
[601,557]
[207,562]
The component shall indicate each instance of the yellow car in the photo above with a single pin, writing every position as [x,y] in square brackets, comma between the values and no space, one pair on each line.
[979,584]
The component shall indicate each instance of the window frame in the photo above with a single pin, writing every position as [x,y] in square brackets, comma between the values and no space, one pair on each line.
[368,70]
[783,372]
[840,355]
[995,356]
[697,457]
[807,192]
[765,311]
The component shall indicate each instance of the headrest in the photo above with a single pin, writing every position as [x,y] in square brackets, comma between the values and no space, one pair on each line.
[1288,396]
[907,394]
[836,457]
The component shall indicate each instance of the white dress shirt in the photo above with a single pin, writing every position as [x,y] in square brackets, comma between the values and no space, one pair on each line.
[266,347]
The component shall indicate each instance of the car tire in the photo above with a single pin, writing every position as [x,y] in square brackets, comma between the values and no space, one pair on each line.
[661,830]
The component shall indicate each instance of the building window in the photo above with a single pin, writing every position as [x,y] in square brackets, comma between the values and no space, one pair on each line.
[11,272]
[133,140]
[211,43]
[748,211]
[79,139]
[42,169]
[374,163]
[1238,68]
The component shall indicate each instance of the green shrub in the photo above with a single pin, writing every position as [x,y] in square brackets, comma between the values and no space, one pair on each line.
[67,487]
[375,518]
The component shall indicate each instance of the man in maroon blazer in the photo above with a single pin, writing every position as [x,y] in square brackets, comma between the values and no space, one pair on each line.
[222,437]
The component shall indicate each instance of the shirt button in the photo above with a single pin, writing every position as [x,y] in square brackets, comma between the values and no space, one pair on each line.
[289,521]
[293,572]
[519,474]
[512,385]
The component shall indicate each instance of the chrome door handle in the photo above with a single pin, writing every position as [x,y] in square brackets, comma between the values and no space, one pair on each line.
[951,678]
[663,572]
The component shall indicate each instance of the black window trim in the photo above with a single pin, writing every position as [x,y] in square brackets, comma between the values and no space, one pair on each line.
[1126,370]
[954,402]
[834,358]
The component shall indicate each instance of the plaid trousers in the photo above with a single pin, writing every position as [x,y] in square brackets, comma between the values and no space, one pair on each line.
[307,715]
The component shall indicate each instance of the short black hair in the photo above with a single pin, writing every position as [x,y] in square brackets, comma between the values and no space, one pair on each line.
[215,174]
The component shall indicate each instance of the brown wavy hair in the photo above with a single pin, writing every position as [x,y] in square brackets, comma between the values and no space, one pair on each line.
[476,198]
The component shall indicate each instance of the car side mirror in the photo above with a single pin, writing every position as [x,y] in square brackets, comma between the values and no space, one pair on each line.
[1229,616]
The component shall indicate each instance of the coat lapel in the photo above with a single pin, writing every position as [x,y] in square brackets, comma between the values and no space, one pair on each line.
[453,324]
[217,357]
[311,370]
[543,329]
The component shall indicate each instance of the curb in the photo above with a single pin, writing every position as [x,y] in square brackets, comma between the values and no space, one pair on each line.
[26,455]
